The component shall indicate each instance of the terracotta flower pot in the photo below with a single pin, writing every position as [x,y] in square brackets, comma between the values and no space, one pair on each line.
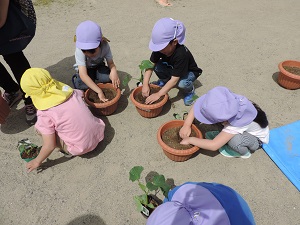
[286,79]
[148,111]
[106,108]
[172,153]
[4,109]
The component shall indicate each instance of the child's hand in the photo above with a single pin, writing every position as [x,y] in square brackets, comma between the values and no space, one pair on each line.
[102,97]
[152,98]
[114,79]
[145,90]
[185,131]
[32,165]
[185,141]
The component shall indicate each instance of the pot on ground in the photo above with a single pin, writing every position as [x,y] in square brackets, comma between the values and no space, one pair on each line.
[4,109]
[172,153]
[286,79]
[103,108]
[151,110]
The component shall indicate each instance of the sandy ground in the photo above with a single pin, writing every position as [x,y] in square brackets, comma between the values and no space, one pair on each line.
[238,44]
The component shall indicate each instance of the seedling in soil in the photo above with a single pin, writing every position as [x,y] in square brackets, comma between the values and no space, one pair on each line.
[152,187]
[144,65]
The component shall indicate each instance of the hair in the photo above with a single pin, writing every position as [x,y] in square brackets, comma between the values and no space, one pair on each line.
[261,117]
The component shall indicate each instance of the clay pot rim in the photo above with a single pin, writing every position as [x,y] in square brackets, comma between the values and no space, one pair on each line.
[291,75]
[144,106]
[173,151]
[105,104]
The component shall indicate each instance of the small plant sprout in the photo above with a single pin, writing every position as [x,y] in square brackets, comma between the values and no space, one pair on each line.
[156,184]
[144,65]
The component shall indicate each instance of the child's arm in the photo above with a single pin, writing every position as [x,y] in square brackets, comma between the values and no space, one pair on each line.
[49,144]
[146,81]
[113,76]
[213,145]
[185,131]
[90,83]
[165,89]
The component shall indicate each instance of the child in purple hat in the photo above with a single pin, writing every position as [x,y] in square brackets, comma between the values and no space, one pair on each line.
[202,203]
[245,123]
[174,64]
[92,50]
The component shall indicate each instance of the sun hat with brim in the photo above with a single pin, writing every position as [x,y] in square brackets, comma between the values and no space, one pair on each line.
[88,35]
[44,91]
[164,31]
[220,105]
[202,203]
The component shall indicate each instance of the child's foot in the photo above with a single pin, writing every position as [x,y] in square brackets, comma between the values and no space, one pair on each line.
[160,83]
[164,2]
[30,111]
[66,154]
[189,98]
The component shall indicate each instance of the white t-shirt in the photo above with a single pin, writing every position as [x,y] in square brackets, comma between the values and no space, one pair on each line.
[74,124]
[105,53]
[253,128]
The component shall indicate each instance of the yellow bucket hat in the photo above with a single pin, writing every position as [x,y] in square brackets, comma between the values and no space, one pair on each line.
[44,91]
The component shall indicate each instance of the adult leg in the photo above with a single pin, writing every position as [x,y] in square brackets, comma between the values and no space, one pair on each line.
[18,64]
[242,143]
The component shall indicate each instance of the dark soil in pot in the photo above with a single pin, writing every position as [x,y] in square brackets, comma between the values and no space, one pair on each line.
[109,94]
[141,99]
[292,69]
[155,201]
[171,138]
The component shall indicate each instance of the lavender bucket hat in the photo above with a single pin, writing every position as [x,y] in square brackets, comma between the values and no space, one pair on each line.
[220,105]
[202,203]
[88,35]
[164,31]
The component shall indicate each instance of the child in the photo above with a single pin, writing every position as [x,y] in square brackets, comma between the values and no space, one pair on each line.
[245,124]
[63,119]
[91,50]
[196,203]
[174,64]
[164,2]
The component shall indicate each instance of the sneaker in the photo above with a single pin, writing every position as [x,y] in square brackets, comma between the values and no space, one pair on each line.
[160,83]
[30,111]
[189,98]
[12,98]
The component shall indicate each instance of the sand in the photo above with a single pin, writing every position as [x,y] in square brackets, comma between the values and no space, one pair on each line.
[238,44]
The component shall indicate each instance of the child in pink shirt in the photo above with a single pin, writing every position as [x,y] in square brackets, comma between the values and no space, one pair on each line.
[63,119]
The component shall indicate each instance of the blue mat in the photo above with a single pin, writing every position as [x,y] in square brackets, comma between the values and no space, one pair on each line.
[284,150]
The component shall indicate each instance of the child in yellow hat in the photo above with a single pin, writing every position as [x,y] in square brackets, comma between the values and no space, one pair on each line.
[59,107]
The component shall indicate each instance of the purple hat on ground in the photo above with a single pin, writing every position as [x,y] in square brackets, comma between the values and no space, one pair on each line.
[164,31]
[220,105]
[202,203]
[88,35]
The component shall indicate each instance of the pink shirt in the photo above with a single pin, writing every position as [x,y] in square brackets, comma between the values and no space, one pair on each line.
[74,124]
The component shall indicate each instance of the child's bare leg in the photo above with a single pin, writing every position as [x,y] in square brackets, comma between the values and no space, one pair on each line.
[164,2]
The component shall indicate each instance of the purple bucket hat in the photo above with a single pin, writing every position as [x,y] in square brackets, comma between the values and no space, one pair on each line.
[220,105]
[164,31]
[202,203]
[88,35]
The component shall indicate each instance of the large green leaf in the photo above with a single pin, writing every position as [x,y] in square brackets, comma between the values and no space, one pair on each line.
[159,180]
[151,186]
[135,173]
[146,64]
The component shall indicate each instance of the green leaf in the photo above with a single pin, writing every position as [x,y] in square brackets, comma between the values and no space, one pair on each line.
[150,205]
[159,180]
[135,173]
[195,97]
[165,189]
[151,186]
[143,187]
[138,203]
[146,64]
[177,116]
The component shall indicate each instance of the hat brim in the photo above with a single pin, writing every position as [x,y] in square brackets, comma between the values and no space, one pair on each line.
[87,46]
[197,111]
[157,47]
